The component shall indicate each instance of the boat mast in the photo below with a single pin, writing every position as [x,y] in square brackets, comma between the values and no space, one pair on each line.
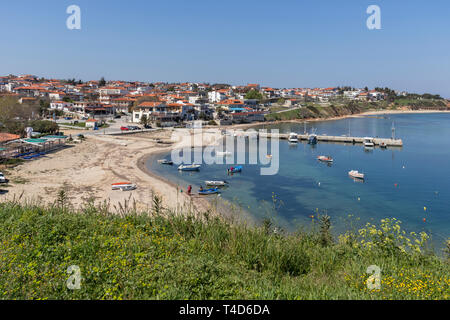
[393,131]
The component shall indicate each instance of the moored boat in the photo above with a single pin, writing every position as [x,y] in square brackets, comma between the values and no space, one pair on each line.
[356,175]
[165,161]
[293,138]
[189,167]
[383,145]
[312,139]
[223,153]
[216,183]
[368,142]
[325,158]
[235,169]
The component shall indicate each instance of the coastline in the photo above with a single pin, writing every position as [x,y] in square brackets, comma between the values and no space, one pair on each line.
[357,115]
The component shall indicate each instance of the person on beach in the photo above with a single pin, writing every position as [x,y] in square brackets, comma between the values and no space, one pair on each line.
[201,189]
[189,189]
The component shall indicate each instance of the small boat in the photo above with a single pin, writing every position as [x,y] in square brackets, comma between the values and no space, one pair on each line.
[368,142]
[325,158]
[123,185]
[356,175]
[235,169]
[223,153]
[129,187]
[312,139]
[189,167]
[165,161]
[383,145]
[293,137]
[3,179]
[216,183]
[206,192]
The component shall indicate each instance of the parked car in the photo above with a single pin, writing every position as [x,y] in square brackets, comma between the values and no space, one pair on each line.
[134,128]
[124,128]
[147,126]
[117,116]
[68,118]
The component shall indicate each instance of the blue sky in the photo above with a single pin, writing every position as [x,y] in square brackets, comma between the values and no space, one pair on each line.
[274,43]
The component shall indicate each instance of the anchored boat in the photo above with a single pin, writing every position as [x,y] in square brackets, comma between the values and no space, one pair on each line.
[223,153]
[235,169]
[293,137]
[190,167]
[165,161]
[312,139]
[356,175]
[325,159]
[368,142]
[216,183]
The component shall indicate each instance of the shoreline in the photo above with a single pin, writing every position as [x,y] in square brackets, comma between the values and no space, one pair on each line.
[356,115]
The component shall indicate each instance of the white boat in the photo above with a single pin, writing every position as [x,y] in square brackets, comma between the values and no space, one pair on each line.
[293,137]
[223,153]
[189,167]
[165,161]
[124,186]
[368,142]
[216,183]
[3,179]
[383,145]
[325,158]
[355,174]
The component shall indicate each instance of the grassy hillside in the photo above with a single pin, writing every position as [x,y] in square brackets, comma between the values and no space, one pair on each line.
[161,256]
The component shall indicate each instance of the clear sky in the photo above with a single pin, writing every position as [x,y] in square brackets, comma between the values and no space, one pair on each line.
[275,43]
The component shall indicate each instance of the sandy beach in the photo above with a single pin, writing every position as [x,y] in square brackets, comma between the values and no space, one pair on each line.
[86,171]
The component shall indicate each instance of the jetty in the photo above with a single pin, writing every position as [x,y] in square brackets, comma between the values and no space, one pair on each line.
[338,139]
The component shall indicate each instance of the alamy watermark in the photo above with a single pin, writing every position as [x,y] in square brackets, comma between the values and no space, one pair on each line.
[374,20]
[73,22]
[74,281]
[374,281]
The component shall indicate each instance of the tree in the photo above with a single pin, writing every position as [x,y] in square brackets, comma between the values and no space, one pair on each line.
[14,115]
[102,82]
[253,94]
[144,120]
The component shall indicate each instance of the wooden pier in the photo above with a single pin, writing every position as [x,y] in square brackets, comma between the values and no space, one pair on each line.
[338,139]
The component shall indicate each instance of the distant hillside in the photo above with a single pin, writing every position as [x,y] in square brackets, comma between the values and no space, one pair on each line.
[317,111]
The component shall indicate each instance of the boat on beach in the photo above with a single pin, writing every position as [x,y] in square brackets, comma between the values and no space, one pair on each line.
[3,179]
[124,186]
[328,159]
[165,161]
[216,183]
[189,167]
[356,175]
[205,192]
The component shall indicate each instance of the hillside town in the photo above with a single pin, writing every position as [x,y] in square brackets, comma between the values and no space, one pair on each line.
[161,104]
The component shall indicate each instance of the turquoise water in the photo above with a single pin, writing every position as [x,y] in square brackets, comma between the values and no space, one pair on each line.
[400,182]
